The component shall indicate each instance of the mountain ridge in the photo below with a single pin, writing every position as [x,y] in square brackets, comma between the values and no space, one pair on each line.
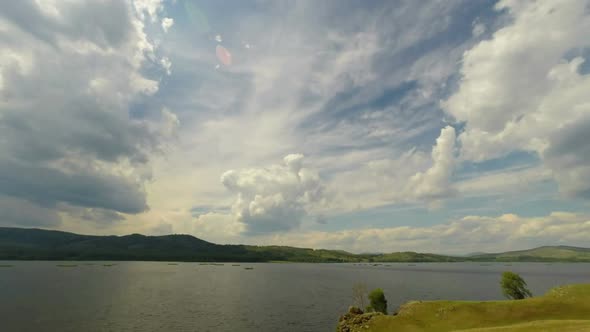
[40,244]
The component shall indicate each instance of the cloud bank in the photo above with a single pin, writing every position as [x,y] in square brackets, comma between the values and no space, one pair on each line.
[69,72]
[523,89]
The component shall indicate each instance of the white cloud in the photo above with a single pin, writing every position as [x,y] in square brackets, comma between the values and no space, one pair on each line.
[167,23]
[263,106]
[218,228]
[274,198]
[435,182]
[519,92]
[150,7]
[507,180]
[411,177]
[468,234]
[166,64]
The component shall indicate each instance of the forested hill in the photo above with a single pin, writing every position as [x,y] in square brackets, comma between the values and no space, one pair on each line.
[37,244]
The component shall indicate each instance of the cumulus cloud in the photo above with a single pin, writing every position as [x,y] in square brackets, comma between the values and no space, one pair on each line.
[69,73]
[167,23]
[149,8]
[435,182]
[167,65]
[274,198]
[468,234]
[411,177]
[522,90]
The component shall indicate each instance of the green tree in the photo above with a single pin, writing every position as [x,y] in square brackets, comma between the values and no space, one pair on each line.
[378,301]
[514,287]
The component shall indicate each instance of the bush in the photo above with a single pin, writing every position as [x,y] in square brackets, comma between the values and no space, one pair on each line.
[378,301]
[514,287]
[359,295]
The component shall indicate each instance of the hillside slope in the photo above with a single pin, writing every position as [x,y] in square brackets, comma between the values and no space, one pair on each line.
[36,244]
[568,305]
[546,254]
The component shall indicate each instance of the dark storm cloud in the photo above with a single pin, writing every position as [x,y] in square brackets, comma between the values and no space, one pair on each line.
[48,187]
[42,135]
[571,145]
[98,217]
[569,157]
[17,212]
[67,140]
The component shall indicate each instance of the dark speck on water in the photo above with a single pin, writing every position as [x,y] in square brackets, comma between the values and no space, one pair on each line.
[151,296]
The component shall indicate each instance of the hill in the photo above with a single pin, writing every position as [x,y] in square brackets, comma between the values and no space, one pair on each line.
[541,254]
[564,308]
[37,244]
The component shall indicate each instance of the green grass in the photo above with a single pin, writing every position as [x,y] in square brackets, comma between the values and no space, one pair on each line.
[248,268]
[6,265]
[108,265]
[67,265]
[542,325]
[564,308]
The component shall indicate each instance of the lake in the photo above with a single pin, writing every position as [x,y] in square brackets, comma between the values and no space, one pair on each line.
[156,296]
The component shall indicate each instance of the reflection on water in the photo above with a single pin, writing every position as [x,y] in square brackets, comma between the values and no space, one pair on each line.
[155,296]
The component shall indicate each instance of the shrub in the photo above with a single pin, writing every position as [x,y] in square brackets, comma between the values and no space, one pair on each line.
[359,295]
[514,287]
[378,301]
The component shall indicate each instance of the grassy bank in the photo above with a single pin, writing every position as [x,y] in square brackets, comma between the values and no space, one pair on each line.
[564,308]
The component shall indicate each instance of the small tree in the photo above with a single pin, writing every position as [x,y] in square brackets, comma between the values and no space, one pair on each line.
[378,301]
[359,295]
[514,287]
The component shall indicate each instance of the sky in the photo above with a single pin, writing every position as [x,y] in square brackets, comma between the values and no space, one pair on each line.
[369,126]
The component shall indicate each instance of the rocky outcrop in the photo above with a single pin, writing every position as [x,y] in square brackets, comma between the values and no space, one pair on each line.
[355,320]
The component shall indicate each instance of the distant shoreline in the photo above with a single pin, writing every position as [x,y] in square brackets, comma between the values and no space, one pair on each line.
[44,245]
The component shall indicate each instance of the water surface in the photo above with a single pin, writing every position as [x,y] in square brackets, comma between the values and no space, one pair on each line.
[157,296]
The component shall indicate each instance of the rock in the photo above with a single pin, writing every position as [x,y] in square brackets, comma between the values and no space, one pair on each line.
[355,320]
[355,310]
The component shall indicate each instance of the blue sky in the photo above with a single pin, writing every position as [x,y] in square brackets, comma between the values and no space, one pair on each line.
[449,126]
